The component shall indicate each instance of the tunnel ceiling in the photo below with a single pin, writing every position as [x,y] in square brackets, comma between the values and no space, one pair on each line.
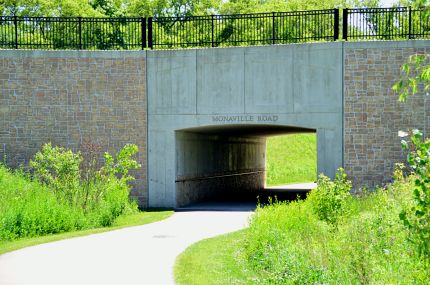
[248,130]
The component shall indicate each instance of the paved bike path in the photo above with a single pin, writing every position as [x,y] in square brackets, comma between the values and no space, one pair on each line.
[137,255]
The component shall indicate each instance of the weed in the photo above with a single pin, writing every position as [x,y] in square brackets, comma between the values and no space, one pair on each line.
[417,216]
[330,197]
[67,192]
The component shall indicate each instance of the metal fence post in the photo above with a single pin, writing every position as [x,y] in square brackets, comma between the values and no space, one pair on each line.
[80,31]
[212,37]
[150,43]
[336,25]
[410,23]
[345,24]
[143,33]
[15,21]
[273,27]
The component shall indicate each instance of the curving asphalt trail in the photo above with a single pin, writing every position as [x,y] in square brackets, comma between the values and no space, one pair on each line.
[137,255]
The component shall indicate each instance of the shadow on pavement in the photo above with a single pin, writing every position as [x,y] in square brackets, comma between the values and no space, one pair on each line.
[249,203]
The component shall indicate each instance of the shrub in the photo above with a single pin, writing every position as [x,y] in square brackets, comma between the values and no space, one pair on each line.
[280,244]
[288,243]
[329,197]
[28,208]
[58,168]
[65,195]
[417,216]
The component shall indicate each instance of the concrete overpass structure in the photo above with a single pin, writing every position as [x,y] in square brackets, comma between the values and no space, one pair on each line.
[201,116]
[211,110]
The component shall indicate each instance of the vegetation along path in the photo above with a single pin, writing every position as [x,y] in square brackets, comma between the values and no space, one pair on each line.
[137,255]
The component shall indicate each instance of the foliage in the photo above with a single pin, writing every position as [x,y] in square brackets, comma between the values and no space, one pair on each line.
[156,8]
[254,6]
[268,248]
[330,197]
[291,159]
[287,243]
[122,163]
[48,8]
[123,34]
[416,72]
[417,216]
[28,208]
[58,168]
[414,3]
[68,192]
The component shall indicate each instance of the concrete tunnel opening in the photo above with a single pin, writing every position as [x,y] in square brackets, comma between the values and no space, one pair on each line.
[224,163]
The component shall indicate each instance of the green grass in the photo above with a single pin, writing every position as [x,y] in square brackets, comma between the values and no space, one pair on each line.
[287,243]
[291,159]
[135,219]
[213,261]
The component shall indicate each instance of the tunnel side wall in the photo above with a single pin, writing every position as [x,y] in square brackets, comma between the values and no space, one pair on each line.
[214,166]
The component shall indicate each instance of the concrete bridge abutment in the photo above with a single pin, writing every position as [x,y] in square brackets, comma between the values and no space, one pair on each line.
[210,110]
[200,116]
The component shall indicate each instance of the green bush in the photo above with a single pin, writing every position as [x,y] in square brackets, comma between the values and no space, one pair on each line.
[277,242]
[330,197]
[28,208]
[64,194]
[417,216]
[59,169]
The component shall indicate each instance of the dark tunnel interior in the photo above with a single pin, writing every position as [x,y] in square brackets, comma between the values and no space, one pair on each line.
[227,163]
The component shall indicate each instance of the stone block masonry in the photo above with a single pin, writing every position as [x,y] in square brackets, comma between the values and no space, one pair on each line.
[372,114]
[71,97]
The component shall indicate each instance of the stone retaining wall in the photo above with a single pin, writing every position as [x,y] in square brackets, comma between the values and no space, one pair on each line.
[68,98]
[372,114]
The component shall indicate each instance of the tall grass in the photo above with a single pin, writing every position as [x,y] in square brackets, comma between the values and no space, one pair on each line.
[287,243]
[291,159]
[58,198]
[28,208]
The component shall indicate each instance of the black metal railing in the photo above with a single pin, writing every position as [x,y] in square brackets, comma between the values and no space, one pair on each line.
[244,29]
[72,33]
[212,31]
[385,23]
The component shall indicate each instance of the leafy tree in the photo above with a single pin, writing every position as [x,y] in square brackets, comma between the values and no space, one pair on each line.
[366,3]
[416,79]
[253,6]
[48,8]
[144,8]
[414,3]
[171,8]
[109,8]
[415,72]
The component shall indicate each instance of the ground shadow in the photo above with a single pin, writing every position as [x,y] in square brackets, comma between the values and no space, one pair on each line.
[249,203]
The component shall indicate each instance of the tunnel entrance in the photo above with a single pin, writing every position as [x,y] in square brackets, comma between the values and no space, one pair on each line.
[223,163]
